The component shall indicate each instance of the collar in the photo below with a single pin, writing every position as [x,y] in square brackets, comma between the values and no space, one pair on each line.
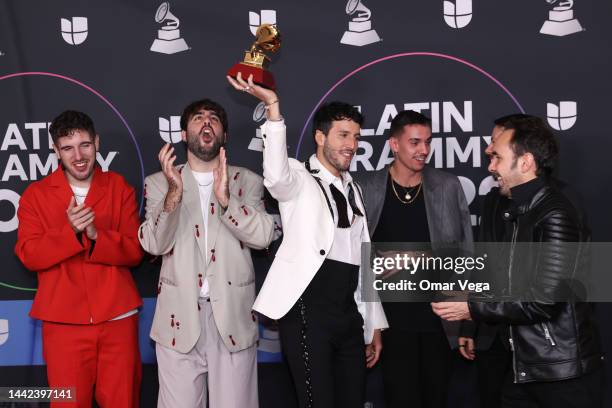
[97,188]
[325,175]
[524,193]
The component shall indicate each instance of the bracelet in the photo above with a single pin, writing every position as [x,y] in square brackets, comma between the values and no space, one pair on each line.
[271,103]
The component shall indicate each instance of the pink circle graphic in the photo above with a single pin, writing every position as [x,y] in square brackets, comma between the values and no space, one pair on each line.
[394,56]
[99,95]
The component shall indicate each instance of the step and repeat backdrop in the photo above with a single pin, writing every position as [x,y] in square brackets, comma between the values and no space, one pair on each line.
[134,65]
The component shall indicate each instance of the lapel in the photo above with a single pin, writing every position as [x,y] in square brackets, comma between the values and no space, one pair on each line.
[98,188]
[60,188]
[214,221]
[191,201]
[431,189]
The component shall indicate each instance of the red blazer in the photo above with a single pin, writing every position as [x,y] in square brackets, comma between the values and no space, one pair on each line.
[75,283]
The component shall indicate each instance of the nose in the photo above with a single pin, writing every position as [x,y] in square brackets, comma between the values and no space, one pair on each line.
[492,166]
[78,155]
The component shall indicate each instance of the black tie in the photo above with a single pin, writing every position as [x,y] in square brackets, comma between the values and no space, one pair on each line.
[343,221]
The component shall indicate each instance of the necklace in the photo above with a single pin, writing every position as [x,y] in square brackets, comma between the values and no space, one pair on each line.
[408,195]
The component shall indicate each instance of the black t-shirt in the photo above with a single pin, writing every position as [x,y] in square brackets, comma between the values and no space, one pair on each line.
[406,222]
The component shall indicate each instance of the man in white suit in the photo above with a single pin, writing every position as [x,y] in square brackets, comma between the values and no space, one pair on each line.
[202,217]
[313,285]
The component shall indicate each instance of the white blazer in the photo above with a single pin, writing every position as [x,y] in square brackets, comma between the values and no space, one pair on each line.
[308,229]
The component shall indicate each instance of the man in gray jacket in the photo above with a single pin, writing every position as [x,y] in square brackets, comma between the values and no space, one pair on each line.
[202,218]
[408,202]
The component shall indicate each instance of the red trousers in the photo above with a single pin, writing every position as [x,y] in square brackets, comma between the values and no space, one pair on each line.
[104,355]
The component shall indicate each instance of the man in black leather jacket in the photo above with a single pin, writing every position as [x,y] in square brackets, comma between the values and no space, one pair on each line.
[557,358]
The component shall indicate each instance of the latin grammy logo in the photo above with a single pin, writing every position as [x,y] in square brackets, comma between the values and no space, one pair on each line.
[561,21]
[360,30]
[168,39]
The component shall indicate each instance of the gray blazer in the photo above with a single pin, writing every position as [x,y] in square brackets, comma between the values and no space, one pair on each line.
[178,237]
[447,211]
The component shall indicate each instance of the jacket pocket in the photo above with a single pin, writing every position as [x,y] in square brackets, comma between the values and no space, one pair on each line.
[548,334]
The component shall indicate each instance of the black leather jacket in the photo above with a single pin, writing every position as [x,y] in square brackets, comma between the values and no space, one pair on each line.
[550,340]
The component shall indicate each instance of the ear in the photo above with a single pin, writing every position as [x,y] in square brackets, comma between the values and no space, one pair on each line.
[394,144]
[97,143]
[56,150]
[183,136]
[528,163]
[320,138]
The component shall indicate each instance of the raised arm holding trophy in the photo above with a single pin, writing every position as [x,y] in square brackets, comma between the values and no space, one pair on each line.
[255,60]
[313,285]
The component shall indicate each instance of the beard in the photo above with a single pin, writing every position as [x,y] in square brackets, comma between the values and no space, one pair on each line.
[204,153]
[335,159]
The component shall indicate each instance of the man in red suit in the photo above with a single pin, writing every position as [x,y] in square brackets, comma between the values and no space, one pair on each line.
[78,231]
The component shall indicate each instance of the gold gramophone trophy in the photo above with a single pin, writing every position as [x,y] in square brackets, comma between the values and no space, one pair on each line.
[255,60]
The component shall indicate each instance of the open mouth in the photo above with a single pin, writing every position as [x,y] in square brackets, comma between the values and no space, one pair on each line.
[347,154]
[80,166]
[207,135]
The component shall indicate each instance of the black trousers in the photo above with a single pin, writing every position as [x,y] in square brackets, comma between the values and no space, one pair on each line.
[322,339]
[582,392]
[416,369]
[492,367]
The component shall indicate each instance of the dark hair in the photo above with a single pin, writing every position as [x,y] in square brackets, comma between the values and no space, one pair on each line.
[533,135]
[407,117]
[332,111]
[68,121]
[206,104]
[501,121]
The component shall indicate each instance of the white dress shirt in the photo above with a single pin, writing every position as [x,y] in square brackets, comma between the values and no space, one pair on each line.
[347,241]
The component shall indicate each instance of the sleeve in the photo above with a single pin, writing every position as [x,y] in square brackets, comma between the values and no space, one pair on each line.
[280,179]
[40,248]
[120,247]
[555,264]
[468,328]
[157,232]
[246,216]
[467,234]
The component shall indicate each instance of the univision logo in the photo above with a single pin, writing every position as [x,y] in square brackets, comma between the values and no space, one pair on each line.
[170,130]
[562,116]
[458,14]
[257,19]
[74,31]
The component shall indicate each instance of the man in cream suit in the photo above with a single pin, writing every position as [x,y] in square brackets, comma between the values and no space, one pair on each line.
[313,285]
[202,217]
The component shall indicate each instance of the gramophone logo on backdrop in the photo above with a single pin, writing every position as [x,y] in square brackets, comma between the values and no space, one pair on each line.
[74,31]
[257,19]
[561,21]
[360,30]
[4,331]
[168,39]
[170,130]
[562,116]
[458,13]
[259,115]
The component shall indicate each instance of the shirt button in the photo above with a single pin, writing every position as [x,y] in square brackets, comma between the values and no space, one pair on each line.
[523,374]
[322,252]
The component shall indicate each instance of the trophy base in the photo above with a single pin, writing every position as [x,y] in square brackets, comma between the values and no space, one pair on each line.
[561,28]
[260,76]
[360,38]
[169,46]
